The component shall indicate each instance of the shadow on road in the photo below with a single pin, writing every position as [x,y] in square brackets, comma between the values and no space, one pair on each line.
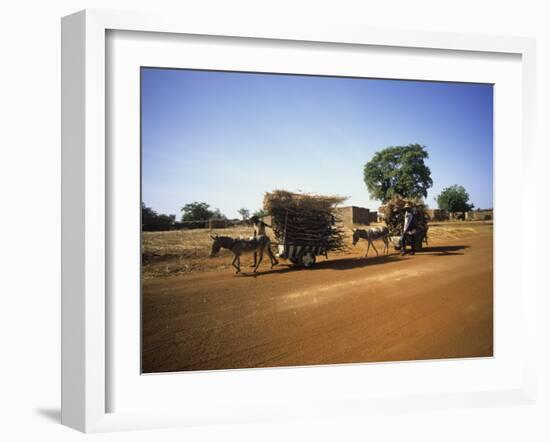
[330,264]
[356,262]
[442,250]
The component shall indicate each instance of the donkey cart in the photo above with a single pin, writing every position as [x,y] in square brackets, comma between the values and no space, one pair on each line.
[304,225]
[304,236]
[301,254]
[420,237]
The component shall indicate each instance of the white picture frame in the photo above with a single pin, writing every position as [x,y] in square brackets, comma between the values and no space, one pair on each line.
[85,236]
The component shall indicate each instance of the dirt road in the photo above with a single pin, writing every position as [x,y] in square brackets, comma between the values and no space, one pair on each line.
[436,304]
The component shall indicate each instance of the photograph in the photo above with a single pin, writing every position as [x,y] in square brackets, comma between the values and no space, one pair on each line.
[292,220]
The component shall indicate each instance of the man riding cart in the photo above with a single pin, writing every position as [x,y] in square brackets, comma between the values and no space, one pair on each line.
[409,229]
[407,222]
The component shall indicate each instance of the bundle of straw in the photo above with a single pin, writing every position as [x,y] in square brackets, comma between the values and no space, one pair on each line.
[305,219]
[394,214]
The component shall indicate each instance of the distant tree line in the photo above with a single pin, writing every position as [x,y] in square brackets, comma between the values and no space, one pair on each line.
[245,214]
[193,214]
[260,213]
[151,221]
[200,211]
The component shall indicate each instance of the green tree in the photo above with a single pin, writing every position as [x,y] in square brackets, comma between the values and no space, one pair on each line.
[398,170]
[217,214]
[260,213]
[151,221]
[245,213]
[454,199]
[196,211]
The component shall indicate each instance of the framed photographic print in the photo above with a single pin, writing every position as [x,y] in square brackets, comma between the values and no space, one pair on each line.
[263,223]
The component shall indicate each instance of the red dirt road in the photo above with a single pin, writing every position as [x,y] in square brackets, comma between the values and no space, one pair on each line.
[436,304]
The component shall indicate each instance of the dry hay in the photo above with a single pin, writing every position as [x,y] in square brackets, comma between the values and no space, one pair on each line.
[394,214]
[282,199]
[305,219]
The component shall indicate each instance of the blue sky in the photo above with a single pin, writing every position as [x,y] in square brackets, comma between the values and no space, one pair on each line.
[226,138]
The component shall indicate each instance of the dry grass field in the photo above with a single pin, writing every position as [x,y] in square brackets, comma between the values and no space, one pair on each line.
[182,252]
[179,252]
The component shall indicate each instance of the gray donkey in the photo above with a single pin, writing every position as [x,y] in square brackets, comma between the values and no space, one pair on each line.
[259,244]
[371,234]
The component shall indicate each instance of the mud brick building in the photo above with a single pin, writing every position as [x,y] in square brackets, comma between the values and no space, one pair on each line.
[214,223]
[354,215]
[479,215]
[437,214]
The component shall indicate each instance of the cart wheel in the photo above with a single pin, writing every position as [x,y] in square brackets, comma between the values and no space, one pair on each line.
[307,259]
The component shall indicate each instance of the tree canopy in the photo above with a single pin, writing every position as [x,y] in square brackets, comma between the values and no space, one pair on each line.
[260,213]
[454,199]
[152,221]
[245,213]
[199,211]
[398,170]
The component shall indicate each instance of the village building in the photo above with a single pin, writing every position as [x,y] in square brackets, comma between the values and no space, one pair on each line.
[352,215]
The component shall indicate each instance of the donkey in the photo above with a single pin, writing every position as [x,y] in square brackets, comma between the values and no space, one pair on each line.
[371,234]
[260,244]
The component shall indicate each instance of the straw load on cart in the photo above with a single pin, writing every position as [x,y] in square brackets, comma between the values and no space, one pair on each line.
[305,225]
[394,216]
